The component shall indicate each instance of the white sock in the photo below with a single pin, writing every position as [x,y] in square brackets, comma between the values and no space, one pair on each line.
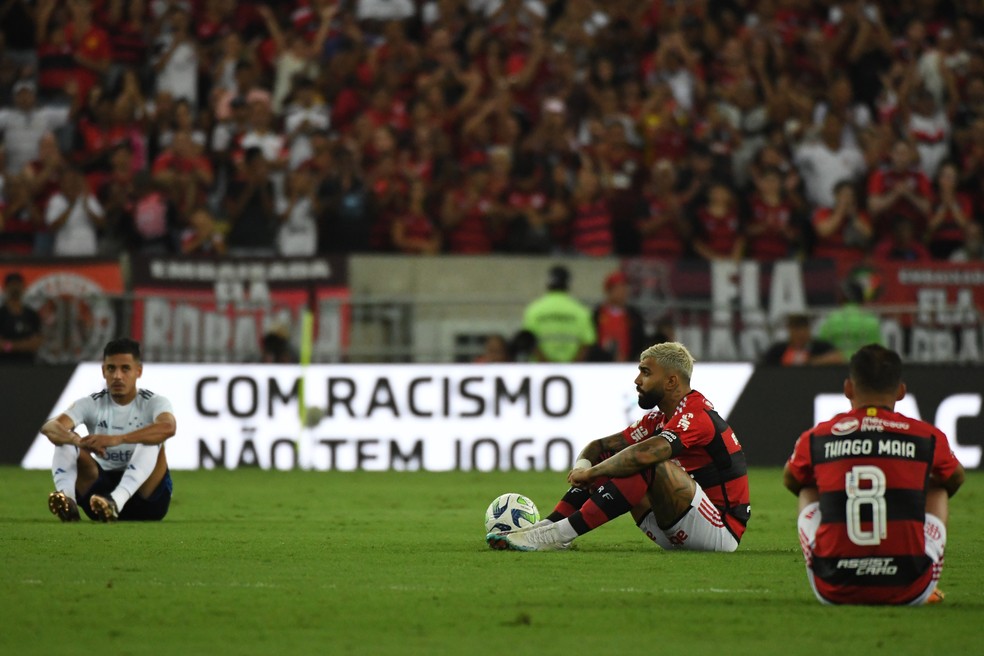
[65,469]
[565,530]
[141,466]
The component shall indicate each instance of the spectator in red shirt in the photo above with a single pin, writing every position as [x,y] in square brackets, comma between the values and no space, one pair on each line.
[718,231]
[619,324]
[184,172]
[952,213]
[662,230]
[20,218]
[841,232]
[202,236]
[902,245]
[591,217]
[800,346]
[412,231]
[468,214]
[899,190]
[772,230]
[98,133]
[128,22]
[43,175]
[90,45]
[527,209]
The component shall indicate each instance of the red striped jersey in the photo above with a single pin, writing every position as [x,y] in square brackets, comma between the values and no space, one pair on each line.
[949,230]
[885,180]
[475,233]
[706,447]
[772,243]
[871,467]
[834,245]
[668,239]
[719,232]
[591,229]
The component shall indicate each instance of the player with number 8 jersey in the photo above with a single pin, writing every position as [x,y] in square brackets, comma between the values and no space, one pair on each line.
[873,487]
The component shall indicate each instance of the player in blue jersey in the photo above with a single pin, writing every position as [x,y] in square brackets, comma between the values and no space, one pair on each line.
[119,470]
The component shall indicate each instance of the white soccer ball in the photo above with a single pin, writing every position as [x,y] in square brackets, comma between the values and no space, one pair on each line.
[509,512]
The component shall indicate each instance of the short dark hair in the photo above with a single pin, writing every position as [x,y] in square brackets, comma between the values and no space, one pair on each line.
[875,368]
[122,346]
[252,154]
[13,276]
[558,278]
[797,320]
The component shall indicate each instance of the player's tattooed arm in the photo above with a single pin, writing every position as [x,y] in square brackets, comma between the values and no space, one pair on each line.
[626,462]
[594,450]
[634,459]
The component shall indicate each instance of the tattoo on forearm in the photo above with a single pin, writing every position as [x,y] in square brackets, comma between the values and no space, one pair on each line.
[634,459]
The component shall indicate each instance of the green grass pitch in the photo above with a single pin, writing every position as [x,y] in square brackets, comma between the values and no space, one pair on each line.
[260,562]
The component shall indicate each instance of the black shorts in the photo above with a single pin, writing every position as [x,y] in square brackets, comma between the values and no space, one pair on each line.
[137,509]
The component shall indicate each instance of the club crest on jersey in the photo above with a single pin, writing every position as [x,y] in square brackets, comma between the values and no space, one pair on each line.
[845,427]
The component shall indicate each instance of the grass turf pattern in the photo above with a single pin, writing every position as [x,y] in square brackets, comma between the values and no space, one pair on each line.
[267,562]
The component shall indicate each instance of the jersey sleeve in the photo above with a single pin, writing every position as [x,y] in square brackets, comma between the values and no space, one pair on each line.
[944,460]
[800,464]
[83,411]
[159,405]
[691,429]
[642,429]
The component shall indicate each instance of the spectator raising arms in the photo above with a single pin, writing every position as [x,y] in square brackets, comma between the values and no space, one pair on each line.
[661,101]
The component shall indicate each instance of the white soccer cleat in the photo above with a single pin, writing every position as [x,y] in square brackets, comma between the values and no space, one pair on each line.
[535,538]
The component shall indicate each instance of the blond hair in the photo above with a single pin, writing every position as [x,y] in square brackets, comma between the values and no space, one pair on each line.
[673,356]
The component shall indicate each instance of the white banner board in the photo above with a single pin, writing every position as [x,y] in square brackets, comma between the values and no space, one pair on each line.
[392,416]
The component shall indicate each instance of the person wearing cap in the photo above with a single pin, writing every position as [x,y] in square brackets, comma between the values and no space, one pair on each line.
[619,325]
[20,325]
[25,123]
[561,324]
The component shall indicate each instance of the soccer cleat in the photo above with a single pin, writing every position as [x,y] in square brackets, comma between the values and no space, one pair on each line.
[540,538]
[105,508]
[936,597]
[64,506]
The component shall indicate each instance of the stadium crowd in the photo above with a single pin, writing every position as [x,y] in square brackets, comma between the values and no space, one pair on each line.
[669,128]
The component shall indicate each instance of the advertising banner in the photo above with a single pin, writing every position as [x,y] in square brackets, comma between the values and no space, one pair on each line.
[941,307]
[487,417]
[218,310]
[724,310]
[403,417]
[74,299]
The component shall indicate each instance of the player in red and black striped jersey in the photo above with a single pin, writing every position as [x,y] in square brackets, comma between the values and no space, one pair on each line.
[680,471]
[874,488]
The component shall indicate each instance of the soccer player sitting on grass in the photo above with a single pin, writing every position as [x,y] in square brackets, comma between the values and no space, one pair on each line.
[873,488]
[679,470]
[118,471]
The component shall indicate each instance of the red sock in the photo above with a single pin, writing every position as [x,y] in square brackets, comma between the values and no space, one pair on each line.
[616,497]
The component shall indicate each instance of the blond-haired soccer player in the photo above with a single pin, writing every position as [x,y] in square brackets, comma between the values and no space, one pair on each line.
[119,470]
[679,470]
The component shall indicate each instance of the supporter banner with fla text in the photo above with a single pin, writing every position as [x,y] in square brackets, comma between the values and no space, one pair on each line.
[487,417]
[727,310]
[947,301]
[218,310]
